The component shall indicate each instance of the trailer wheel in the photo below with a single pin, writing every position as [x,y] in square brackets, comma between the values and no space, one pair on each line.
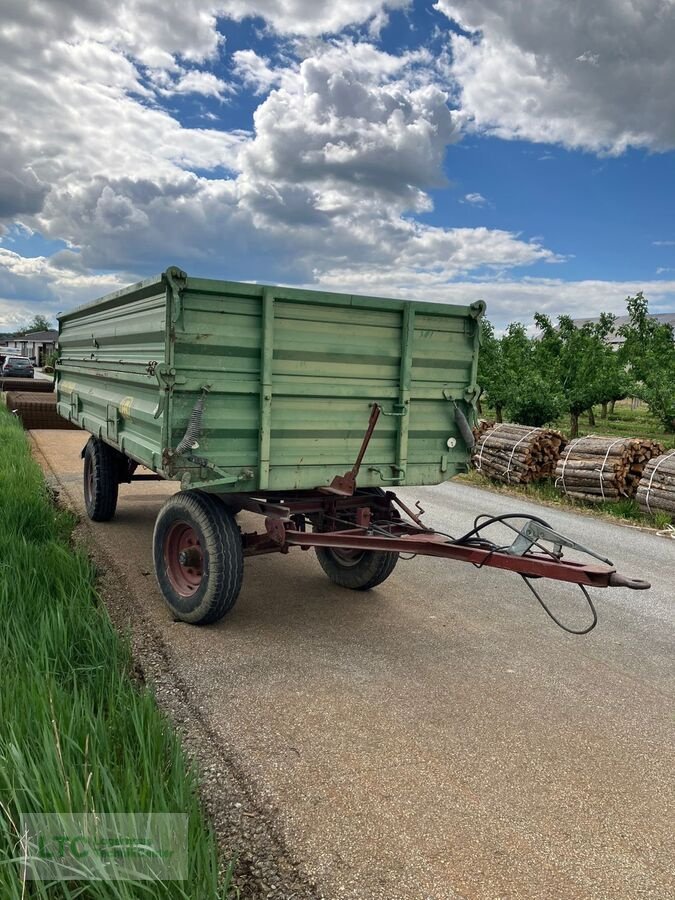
[233,505]
[101,480]
[199,559]
[359,570]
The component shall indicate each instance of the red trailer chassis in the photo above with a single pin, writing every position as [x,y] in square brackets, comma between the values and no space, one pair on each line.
[285,528]
[372,520]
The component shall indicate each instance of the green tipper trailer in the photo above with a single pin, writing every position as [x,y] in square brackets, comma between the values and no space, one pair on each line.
[275,400]
[282,381]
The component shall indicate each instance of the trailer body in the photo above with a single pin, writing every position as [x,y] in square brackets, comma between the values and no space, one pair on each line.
[235,387]
[297,407]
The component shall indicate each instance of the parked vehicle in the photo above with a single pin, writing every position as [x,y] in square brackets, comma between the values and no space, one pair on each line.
[295,405]
[18,367]
[6,352]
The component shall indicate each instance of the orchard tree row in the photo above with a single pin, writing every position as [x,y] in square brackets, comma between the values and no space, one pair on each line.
[567,369]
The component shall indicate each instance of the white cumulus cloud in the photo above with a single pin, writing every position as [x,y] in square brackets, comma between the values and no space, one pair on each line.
[475,199]
[311,17]
[327,187]
[596,75]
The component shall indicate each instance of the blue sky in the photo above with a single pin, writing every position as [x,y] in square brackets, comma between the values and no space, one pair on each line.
[448,150]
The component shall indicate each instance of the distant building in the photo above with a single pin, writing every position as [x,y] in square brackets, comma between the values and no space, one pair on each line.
[616,340]
[37,345]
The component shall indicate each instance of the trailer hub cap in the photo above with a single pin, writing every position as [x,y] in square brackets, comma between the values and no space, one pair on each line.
[184,558]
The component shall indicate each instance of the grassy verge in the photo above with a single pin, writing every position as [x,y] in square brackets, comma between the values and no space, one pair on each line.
[545,492]
[76,733]
[625,422]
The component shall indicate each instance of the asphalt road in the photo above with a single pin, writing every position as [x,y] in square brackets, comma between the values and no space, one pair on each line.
[438,737]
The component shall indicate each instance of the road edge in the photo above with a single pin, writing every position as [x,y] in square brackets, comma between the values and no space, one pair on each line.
[465,480]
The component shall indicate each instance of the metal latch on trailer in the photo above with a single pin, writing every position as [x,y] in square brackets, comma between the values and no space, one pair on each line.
[166,379]
[533,532]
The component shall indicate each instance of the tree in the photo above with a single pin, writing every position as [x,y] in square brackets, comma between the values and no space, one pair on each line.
[573,357]
[492,377]
[649,351]
[38,323]
[532,397]
[508,374]
[612,380]
[535,402]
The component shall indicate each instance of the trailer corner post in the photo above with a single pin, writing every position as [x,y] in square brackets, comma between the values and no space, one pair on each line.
[266,362]
[477,312]
[407,338]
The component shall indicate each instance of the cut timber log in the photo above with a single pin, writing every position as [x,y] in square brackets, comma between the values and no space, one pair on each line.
[516,454]
[591,498]
[656,490]
[596,468]
[481,426]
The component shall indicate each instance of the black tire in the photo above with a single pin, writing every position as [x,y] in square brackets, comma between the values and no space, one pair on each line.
[199,588]
[101,480]
[357,570]
[233,505]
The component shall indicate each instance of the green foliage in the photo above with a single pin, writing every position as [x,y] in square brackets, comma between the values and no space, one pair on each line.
[50,359]
[570,369]
[37,323]
[649,352]
[507,370]
[492,376]
[612,380]
[535,402]
[576,356]
[77,735]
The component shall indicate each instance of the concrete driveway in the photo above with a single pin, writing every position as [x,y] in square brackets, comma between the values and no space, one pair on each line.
[438,737]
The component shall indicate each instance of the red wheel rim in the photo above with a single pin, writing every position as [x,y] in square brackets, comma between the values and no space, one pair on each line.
[184,558]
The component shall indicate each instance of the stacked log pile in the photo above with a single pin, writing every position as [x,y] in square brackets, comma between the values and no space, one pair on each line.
[33,385]
[517,454]
[596,468]
[479,429]
[36,410]
[656,490]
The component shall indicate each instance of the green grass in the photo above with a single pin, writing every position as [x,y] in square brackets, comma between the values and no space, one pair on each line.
[546,492]
[625,422]
[76,733]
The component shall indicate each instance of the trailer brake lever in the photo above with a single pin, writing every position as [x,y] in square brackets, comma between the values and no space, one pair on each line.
[532,532]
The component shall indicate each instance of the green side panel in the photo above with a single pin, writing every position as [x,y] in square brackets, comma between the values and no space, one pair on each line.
[104,378]
[285,380]
[289,379]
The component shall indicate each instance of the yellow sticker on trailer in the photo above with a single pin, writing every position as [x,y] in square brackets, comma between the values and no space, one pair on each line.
[125,407]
